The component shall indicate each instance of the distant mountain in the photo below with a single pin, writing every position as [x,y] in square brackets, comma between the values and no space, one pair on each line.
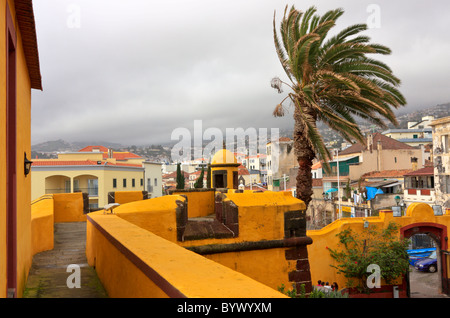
[64,146]
[157,151]
[438,111]
[52,146]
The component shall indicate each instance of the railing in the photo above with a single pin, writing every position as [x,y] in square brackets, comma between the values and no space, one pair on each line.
[93,192]
[57,190]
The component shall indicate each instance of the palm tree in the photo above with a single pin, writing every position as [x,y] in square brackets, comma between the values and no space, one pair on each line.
[332,80]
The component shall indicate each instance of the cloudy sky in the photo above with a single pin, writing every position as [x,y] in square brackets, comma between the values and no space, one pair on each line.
[133,71]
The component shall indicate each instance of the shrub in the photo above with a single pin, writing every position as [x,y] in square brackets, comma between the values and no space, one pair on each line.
[381,247]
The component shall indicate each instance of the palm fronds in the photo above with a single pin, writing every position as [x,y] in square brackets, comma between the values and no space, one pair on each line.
[334,78]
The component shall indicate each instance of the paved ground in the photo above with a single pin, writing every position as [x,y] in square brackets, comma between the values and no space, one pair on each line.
[424,284]
[48,274]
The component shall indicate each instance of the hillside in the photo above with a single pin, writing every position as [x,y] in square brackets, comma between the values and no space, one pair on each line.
[159,153]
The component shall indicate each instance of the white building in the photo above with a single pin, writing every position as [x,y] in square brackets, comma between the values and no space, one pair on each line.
[153,179]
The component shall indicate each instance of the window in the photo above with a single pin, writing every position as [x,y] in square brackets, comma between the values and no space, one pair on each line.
[114,183]
[124,183]
[445,145]
[67,186]
[93,187]
[133,182]
[415,136]
[395,159]
[142,182]
[446,184]
[76,185]
[156,181]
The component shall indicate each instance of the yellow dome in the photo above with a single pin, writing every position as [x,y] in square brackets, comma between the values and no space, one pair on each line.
[224,157]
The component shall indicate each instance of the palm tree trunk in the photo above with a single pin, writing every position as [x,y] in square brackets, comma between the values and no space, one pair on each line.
[305,155]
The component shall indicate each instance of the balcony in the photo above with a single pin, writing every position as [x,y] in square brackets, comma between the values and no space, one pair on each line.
[92,192]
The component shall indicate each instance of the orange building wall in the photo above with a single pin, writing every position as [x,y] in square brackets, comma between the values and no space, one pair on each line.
[23,99]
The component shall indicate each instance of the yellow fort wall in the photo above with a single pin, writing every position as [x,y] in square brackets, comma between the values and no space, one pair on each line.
[261,219]
[42,220]
[126,256]
[319,257]
[200,202]
[23,144]
[68,207]
[123,197]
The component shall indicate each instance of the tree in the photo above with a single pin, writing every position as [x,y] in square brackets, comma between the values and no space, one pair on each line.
[376,246]
[199,182]
[180,177]
[332,80]
[208,177]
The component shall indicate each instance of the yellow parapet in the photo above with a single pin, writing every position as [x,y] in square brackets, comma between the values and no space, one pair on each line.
[133,262]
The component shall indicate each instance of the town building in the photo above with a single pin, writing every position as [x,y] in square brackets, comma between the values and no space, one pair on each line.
[441,160]
[419,186]
[279,160]
[417,133]
[97,171]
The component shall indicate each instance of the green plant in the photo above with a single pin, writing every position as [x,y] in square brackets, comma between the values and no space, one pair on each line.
[199,182]
[180,177]
[373,246]
[293,293]
[208,177]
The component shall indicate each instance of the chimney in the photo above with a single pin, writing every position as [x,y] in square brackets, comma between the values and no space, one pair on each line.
[414,163]
[379,156]
[369,142]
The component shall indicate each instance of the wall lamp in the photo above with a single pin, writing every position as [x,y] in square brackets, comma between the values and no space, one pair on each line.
[27,164]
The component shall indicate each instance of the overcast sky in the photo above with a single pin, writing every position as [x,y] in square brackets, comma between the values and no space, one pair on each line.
[132,71]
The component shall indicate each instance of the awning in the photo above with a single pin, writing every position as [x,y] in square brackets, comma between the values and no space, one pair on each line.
[392,185]
[381,183]
[331,190]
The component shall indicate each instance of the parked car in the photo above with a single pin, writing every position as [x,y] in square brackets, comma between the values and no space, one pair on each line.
[418,254]
[428,264]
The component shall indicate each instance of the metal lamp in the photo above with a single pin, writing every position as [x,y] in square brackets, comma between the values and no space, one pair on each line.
[27,164]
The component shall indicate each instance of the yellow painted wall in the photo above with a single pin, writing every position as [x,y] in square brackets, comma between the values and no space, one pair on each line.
[192,275]
[68,207]
[200,203]
[3,151]
[23,100]
[157,215]
[123,197]
[261,217]
[319,257]
[105,180]
[42,221]
[94,156]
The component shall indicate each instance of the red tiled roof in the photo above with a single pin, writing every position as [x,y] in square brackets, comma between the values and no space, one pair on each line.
[118,155]
[56,162]
[421,172]
[91,149]
[317,165]
[386,174]
[64,163]
[386,143]
[123,155]
[242,170]
[174,175]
